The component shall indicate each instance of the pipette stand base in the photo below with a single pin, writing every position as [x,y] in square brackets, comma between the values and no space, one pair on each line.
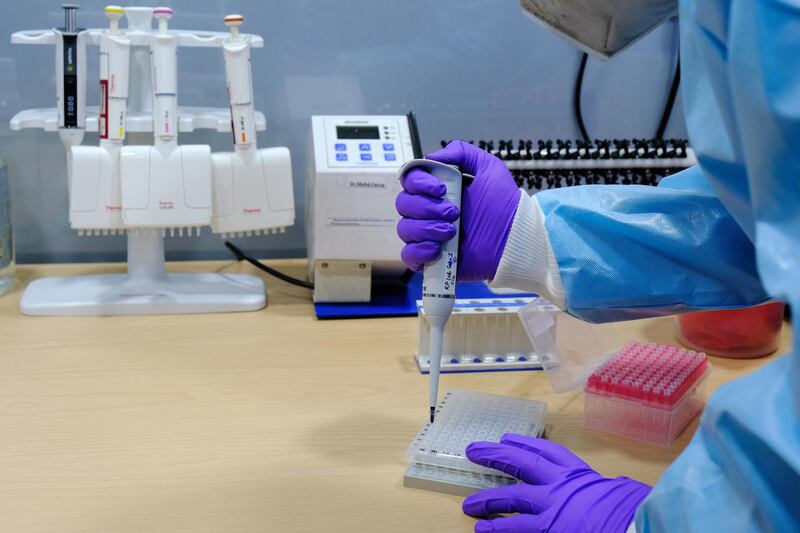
[147,289]
[120,294]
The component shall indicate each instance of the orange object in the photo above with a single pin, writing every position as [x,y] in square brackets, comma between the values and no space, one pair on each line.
[734,333]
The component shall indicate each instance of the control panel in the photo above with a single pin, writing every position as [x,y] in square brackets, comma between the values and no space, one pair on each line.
[363,142]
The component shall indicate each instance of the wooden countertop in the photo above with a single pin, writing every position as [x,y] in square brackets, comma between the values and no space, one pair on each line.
[264,421]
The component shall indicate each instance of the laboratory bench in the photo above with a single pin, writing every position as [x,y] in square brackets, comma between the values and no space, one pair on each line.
[262,421]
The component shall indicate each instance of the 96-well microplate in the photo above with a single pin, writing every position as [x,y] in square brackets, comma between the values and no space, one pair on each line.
[463,417]
[451,480]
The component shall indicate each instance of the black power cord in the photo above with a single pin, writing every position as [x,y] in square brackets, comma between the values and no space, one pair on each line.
[241,255]
[666,114]
[413,131]
[416,146]
[673,93]
[576,97]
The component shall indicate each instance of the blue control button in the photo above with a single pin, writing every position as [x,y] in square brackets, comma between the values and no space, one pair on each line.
[364,147]
[341,157]
[390,157]
[340,147]
[388,147]
[366,157]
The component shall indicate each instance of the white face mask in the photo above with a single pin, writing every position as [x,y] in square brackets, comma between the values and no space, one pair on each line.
[601,27]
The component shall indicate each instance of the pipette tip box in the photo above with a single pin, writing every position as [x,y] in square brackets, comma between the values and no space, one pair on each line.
[644,391]
[437,457]
[647,392]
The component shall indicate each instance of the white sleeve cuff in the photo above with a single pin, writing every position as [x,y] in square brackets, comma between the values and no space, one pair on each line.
[632,527]
[528,263]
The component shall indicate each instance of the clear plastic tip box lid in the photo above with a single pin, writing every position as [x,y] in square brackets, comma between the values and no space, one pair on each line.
[570,349]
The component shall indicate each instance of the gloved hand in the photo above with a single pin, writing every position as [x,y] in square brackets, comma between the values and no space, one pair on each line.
[488,205]
[560,493]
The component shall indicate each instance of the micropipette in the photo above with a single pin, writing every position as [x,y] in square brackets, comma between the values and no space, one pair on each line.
[163,47]
[236,49]
[71,77]
[165,186]
[95,196]
[439,276]
[252,187]
[114,72]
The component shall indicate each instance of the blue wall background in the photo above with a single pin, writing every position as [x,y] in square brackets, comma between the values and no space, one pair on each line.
[470,68]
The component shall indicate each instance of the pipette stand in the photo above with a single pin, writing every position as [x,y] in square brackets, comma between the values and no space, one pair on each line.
[146,288]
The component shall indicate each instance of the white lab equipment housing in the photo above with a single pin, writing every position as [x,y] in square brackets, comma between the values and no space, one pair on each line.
[351,185]
[150,191]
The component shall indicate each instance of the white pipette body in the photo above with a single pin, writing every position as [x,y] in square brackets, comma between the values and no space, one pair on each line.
[439,276]
[114,72]
[164,47]
[238,75]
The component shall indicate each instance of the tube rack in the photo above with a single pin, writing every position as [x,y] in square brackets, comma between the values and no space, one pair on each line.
[556,163]
[482,335]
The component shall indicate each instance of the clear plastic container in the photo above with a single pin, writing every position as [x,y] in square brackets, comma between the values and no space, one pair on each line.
[574,352]
[733,333]
[437,457]
[6,235]
[647,392]
[639,421]
[482,335]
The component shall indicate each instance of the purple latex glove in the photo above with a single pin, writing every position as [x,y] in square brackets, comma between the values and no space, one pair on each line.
[488,205]
[560,493]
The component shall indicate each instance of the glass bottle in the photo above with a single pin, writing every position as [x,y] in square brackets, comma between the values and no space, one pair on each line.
[6,236]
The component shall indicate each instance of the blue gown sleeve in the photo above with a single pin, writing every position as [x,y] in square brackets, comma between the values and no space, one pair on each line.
[634,251]
[741,80]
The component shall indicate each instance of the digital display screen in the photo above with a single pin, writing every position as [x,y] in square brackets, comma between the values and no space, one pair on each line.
[358,132]
[71,82]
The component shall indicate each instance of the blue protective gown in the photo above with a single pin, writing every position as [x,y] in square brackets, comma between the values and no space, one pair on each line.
[726,233]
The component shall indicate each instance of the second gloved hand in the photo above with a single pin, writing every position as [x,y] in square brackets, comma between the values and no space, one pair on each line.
[559,494]
[488,206]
